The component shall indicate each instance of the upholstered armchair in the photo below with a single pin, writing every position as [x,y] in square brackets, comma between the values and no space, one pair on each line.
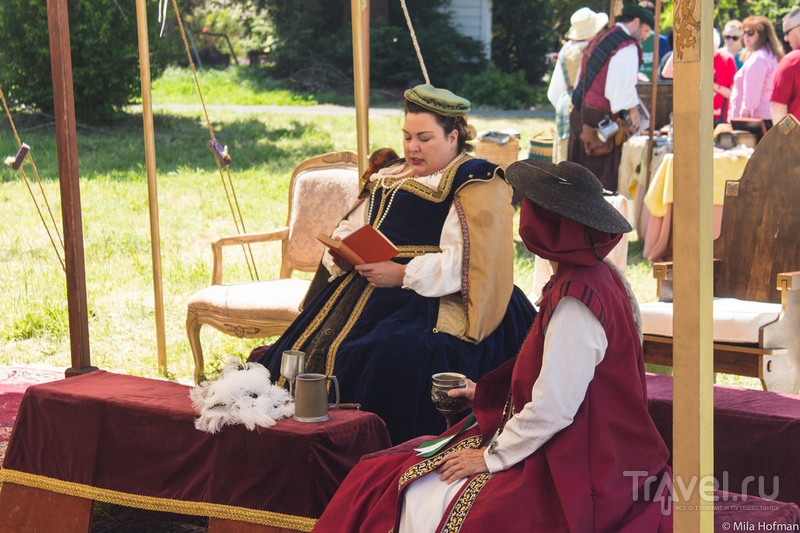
[321,191]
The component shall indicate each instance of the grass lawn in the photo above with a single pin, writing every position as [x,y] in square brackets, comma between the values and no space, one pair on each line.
[193,210]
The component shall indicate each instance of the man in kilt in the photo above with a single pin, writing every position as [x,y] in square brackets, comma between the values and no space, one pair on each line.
[606,89]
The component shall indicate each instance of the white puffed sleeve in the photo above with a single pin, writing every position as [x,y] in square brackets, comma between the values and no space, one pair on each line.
[623,69]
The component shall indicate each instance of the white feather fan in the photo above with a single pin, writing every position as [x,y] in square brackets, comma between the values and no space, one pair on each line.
[243,394]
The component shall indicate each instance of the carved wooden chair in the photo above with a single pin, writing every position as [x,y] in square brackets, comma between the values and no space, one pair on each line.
[321,191]
[757,257]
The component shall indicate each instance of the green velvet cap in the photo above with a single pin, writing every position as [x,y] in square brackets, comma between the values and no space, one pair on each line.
[643,14]
[440,101]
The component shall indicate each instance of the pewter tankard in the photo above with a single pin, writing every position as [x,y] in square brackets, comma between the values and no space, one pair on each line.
[311,397]
[606,129]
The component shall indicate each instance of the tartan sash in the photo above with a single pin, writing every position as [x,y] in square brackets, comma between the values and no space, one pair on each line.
[563,106]
[598,56]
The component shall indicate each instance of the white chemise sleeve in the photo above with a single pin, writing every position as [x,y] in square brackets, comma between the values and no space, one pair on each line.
[568,366]
[623,69]
[558,85]
[350,223]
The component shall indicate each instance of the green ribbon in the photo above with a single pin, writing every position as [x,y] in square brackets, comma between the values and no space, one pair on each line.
[431,448]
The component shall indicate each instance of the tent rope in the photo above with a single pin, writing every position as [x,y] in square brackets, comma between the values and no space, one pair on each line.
[414,40]
[47,228]
[221,158]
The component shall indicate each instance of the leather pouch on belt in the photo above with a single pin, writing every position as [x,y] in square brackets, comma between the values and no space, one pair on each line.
[623,133]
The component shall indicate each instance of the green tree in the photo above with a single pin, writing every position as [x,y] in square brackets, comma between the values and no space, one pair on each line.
[242,21]
[313,39]
[104,51]
[522,34]
[774,10]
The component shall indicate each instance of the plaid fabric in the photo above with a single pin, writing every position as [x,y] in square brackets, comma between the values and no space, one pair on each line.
[563,107]
[562,115]
[599,55]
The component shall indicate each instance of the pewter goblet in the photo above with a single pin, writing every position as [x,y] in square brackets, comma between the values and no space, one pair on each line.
[449,407]
[293,363]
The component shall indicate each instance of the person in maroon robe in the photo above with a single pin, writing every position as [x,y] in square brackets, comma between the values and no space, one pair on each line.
[561,439]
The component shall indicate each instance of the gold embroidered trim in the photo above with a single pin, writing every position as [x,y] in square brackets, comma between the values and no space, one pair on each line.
[465,254]
[357,310]
[414,250]
[413,186]
[464,503]
[435,195]
[317,322]
[429,465]
[229,512]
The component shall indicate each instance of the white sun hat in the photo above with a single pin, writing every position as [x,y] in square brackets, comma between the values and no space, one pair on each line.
[585,24]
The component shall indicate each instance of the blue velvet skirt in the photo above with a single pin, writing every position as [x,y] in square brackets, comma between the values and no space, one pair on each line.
[383,347]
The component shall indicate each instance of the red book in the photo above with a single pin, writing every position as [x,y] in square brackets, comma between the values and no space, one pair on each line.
[363,245]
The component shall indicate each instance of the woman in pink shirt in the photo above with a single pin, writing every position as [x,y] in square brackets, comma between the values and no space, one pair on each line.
[752,85]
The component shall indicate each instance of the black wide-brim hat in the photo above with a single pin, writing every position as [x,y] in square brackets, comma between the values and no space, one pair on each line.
[569,189]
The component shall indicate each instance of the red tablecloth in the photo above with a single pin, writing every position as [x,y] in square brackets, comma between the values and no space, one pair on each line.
[756,437]
[132,441]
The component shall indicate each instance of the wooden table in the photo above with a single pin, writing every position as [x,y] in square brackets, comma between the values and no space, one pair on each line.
[728,166]
[131,441]
[653,199]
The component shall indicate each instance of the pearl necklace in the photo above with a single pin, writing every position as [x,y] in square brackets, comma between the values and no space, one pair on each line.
[390,191]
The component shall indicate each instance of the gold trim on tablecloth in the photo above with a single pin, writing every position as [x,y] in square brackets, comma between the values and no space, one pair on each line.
[229,512]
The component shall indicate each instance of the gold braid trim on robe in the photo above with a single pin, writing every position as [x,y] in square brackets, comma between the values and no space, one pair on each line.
[487,272]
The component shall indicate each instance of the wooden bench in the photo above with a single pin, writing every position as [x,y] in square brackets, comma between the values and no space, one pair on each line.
[757,258]
[756,435]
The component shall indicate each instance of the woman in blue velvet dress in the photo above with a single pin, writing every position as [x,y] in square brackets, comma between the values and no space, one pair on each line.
[447,302]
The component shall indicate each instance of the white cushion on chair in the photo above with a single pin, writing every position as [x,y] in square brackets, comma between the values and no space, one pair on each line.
[734,320]
[272,299]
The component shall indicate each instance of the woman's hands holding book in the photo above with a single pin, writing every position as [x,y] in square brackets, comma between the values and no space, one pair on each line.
[383,274]
[340,262]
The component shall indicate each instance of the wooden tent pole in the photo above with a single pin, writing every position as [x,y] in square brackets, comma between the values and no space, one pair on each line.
[152,190]
[67,146]
[692,222]
[614,7]
[360,10]
[653,92]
